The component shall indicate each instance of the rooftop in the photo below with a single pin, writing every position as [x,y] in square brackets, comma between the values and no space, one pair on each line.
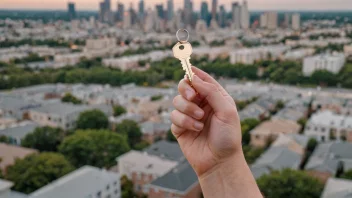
[277,126]
[337,188]
[5,185]
[328,118]
[9,153]
[165,149]
[19,130]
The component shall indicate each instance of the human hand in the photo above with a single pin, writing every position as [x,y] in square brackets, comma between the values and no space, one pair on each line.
[206,124]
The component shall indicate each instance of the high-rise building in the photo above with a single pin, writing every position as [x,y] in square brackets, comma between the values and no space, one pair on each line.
[127,21]
[272,20]
[170,10]
[296,21]
[120,11]
[214,8]
[263,20]
[222,16]
[141,10]
[236,15]
[286,22]
[105,14]
[71,10]
[160,10]
[188,12]
[244,15]
[204,11]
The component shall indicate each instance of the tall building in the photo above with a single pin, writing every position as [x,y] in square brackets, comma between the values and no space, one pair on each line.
[296,21]
[187,11]
[120,11]
[244,15]
[272,20]
[236,15]
[127,20]
[263,22]
[105,14]
[141,10]
[204,11]
[286,22]
[160,10]
[214,8]
[170,10]
[71,10]
[222,16]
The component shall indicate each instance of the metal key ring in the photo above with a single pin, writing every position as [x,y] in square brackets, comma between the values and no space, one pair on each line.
[178,38]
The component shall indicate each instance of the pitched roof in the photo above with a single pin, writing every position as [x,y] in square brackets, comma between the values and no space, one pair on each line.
[5,185]
[328,118]
[276,126]
[14,194]
[337,188]
[82,182]
[20,130]
[8,154]
[179,179]
[166,149]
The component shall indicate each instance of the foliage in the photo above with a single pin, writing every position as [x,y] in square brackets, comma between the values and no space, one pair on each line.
[32,42]
[126,188]
[131,130]
[242,104]
[30,58]
[217,43]
[312,143]
[156,98]
[4,139]
[252,153]
[119,110]
[69,98]
[93,147]
[323,77]
[290,184]
[347,175]
[37,170]
[141,145]
[170,137]
[279,104]
[247,125]
[44,139]
[302,122]
[92,119]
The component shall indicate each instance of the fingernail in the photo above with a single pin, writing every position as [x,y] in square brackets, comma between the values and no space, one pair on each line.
[199,114]
[198,125]
[189,94]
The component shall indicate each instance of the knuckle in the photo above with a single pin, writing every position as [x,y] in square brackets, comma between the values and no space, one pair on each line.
[173,114]
[180,85]
[174,101]
[186,122]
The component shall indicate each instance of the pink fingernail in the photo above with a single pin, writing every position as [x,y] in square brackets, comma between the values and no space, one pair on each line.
[198,125]
[189,94]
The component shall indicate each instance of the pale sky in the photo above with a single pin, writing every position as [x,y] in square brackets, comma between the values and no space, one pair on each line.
[253,4]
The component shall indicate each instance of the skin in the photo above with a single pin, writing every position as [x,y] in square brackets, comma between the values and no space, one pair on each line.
[207,127]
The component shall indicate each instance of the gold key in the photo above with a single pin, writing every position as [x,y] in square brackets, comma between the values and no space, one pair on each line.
[182,51]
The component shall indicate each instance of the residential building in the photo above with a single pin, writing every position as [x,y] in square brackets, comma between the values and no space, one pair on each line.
[337,188]
[166,150]
[328,126]
[153,131]
[298,54]
[245,17]
[86,181]
[5,188]
[17,107]
[263,21]
[347,50]
[296,21]
[17,132]
[181,181]
[293,114]
[330,62]
[142,168]
[328,158]
[102,45]
[270,130]
[63,115]
[287,151]
[9,154]
[251,55]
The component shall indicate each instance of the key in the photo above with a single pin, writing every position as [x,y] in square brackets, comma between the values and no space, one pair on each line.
[183,51]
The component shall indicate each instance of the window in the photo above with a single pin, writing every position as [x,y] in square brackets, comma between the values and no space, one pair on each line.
[116,191]
[323,138]
[115,183]
[257,137]
[323,129]
[108,187]
[108,196]
[99,194]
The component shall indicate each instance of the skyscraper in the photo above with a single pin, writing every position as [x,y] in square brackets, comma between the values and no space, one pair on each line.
[170,10]
[296,21]
[141,10]
[187,11]
[120,11]
[244,15]
[105,14]
[71,10]
[160,10]
[214,8]
[222,16]
[272,20]
[204,11]
[236,15]
[286,22]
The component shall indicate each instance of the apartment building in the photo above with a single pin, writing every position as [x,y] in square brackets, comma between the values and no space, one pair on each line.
[330,62]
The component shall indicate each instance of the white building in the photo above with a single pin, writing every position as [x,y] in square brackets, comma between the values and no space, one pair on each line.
[263,22]
[296,21]
[330,62]
[85,182]
[236,16]
[62,60]
[100,44]
[298,54]
[272,20]
[5,188]
[251,55]
[127,21]
[326,125]
[337,188]
[245,15]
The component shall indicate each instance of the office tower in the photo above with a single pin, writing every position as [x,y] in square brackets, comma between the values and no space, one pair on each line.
[188,12]
[244,15]
[296,21]
[236,15]
[71,10]
[170,10]
[272,20]
[286,22]
[141,10]
[120,11]
[214,9]
[105,14]
[127,21]
[204,11]
[160,10]
[263,22]
[222,16]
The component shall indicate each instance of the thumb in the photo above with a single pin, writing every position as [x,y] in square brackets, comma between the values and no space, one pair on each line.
[214,97]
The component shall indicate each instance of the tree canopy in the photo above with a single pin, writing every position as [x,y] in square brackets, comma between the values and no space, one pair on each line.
[131,130]
[69,98]
[44,139]
[37,170]
[347,174]
[247,125]
[94,147]
[92,119]
[119,110]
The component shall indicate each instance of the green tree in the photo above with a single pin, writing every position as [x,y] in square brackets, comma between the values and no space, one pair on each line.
[324,77]
[44,139]
[347,175]
[127,188]
[93,147]
[4,139]
[247,125]
[170,137]
[290,184]
[141,145]
[119,110]
[131,130]
[92,119]
[280,104]
[69,98]
[37,170]
[252,153]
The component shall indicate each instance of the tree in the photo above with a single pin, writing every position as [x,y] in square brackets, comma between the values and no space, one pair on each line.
[141,145]
[4,139]
[347,175]
[93,147]
[247,125]
[324,77]
[290,184]
[170,137]
[280,104]
[119,110]
[69,98]
[251,153]
[131,130]
[44,139]
[92,119]
[37,170]
[126,188]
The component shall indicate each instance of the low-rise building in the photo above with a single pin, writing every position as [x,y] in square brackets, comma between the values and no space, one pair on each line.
[337,188]
[251,55]
[16,132]
[270,130]
[17,107]
[153,131]
[9,153]
[84,182]
[330,62]
[327,126]
[347,50]
[298,54]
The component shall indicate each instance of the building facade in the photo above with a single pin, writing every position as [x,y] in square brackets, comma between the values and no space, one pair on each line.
[330,62]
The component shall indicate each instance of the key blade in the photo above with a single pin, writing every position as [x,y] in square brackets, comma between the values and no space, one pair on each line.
[187,67]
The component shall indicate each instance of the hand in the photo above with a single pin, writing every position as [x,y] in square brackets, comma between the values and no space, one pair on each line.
[205,123]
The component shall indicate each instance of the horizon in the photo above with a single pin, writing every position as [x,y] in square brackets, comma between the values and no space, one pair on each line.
[254,5]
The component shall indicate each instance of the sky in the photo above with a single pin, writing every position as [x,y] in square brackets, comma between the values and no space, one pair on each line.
[253,4]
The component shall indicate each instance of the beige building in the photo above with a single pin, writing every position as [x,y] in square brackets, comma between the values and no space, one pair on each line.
[9,153]
[270,130]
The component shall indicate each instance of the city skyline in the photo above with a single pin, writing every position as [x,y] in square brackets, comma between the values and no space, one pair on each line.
[253,4]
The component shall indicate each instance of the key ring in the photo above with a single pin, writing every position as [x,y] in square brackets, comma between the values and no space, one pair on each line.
[178,38]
